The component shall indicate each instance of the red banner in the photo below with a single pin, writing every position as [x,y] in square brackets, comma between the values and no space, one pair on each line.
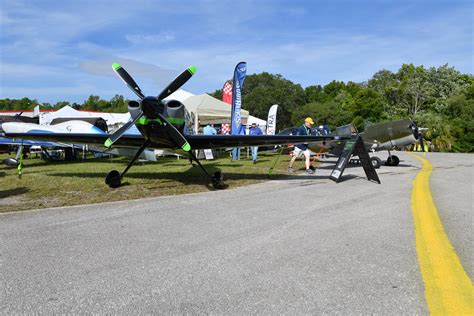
[227,92]
[227,98]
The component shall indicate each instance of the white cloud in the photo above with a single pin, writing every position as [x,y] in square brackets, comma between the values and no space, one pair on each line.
[27,70]
[138,70]
[73,45]
[151,39]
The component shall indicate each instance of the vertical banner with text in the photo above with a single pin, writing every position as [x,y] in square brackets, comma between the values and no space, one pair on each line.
[271,121]
[236,117]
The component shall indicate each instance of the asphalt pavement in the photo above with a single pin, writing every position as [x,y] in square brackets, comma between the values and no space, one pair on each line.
[303,245]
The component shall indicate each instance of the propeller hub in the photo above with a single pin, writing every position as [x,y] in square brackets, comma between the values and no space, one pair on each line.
[416,132]
[151,107]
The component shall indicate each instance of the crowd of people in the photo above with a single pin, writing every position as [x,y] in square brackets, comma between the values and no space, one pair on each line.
[300,150]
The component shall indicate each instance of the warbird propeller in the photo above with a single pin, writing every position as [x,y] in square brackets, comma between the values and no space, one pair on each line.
[161,124]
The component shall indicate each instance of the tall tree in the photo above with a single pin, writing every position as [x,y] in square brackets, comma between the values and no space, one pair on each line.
[415,89]
[367,106]
[118,104]
[261,91]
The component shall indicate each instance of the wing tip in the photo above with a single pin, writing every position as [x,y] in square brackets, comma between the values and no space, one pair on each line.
[186,147]
[108,143]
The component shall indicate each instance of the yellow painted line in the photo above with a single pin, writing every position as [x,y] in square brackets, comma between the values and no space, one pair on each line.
[448,288]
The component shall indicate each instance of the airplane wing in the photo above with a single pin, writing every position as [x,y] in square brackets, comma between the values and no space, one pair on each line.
[78,138]
[7,141]
[196,141]
[213,141]
[385,132]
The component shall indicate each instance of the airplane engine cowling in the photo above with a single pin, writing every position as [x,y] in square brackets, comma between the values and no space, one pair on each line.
[399,142]
[134,108]
[174,112]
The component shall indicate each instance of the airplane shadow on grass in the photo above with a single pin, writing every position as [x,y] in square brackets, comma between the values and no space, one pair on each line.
[193,176]
[123,161]
[13,192]
[27,163]
[207,164]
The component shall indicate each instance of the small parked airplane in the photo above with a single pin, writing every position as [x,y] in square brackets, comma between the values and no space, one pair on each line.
[161,125]
[71,126]
[386,136]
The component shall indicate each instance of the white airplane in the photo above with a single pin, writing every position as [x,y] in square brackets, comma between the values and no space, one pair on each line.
[68,127]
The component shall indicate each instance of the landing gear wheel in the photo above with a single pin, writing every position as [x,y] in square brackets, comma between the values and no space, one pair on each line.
[113,179]
[392,161]
[217,180]
[12,162]
[376,162]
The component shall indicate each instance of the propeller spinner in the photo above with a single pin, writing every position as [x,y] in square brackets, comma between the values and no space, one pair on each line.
[417,134]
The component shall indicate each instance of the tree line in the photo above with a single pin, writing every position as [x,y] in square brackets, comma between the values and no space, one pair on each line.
[438,98]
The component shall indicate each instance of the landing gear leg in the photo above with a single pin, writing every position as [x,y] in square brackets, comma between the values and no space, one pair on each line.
[191,161]
[217,178]
[114,178]
[13,162]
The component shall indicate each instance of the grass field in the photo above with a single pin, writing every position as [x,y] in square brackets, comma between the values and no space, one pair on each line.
[49,184]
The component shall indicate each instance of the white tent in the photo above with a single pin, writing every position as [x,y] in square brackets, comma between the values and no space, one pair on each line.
[209,110]
[68,112]
[179,95]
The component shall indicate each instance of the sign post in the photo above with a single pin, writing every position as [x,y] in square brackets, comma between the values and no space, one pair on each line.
[354,146]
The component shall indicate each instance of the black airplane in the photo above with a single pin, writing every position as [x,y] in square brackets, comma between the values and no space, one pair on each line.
[161,124]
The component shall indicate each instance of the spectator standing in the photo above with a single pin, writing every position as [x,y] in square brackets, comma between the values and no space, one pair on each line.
[254,130]
[209,153]
[303,149]
[209,130]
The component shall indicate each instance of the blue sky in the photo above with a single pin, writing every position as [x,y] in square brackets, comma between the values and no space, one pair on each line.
[63,50]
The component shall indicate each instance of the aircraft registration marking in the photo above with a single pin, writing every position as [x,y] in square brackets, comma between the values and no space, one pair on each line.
[448,288]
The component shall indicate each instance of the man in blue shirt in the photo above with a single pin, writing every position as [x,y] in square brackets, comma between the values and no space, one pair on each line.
[303,149]
[254,130]
[209,130]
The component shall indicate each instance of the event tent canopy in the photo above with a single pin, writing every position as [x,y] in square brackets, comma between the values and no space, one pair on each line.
[111,118]
[209,110]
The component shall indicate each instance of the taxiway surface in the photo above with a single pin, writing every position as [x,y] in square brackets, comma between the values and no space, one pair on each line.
[305,245]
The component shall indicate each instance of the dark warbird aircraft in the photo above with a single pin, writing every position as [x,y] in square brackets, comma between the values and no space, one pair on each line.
[376,137]
[382,136]
[389,135]
[161,124]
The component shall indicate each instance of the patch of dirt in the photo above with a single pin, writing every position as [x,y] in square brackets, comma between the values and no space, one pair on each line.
[10,200]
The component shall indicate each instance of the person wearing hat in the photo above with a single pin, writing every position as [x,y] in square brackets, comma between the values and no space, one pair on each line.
[303,149]
[254,130]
